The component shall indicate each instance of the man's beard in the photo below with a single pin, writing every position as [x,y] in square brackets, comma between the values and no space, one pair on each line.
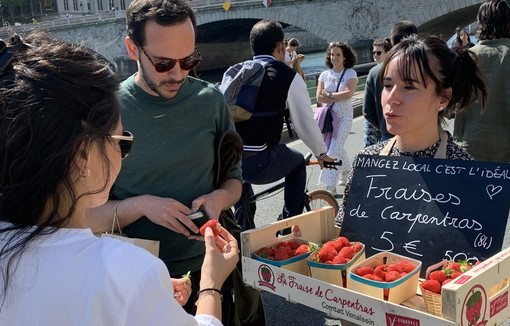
[155,88]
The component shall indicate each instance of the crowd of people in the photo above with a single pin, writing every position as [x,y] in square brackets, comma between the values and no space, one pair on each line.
[145,153]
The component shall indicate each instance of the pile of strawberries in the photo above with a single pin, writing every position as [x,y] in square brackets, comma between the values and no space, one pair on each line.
[284,250]
[385,272]
[449,272]
[338,251]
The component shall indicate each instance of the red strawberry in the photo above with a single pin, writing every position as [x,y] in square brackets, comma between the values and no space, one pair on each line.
[432,286]
[380,271]
[453,265]
[292,244]
[302,249]
[339,260]
[214,225]
[455,275]
[357,247]
[264,252]
[395,268]
[373,277]
[333,244]
[407,267]
[392,276]
[347,252]
[364,270]
[448,280]
[343,241]
[327,254]
[439,276]
[281,253]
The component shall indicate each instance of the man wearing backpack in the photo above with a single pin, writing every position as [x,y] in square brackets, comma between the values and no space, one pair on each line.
[264,159]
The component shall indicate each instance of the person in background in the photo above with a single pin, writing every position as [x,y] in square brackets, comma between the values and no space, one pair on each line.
[462,38]
[380,48]
[290,52]
[485,134]
[60,153]
[423,80]
[178,120]
[372,109]
[335,87]
[265,160]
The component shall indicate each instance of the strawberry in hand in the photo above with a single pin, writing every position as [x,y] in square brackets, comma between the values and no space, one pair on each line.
[214,225]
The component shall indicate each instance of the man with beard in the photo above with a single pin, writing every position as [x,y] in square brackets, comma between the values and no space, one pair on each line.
[177,119]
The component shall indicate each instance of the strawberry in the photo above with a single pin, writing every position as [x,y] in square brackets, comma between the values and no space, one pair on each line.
[264,252]
[380,271]
[439,276]
[373,277]
[394,268]
[407,267]
[343,241]
[455,275]
[333,244]
[327,254]
[292,244]
[302,249]
[214,225]
[364,270]
[448,280]
[281,253]
[454,266]
[432,286]
[357,247]
[339,260]
[347,252]
[391,276]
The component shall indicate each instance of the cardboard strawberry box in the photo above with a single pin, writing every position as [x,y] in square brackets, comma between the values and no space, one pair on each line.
[333,273]
[295,263]
[359,308]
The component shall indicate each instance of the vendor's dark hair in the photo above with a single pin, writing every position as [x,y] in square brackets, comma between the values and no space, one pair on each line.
[56,100]
[163,12]
[443,66]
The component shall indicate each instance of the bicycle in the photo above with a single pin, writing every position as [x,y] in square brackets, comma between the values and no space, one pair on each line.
[313,199]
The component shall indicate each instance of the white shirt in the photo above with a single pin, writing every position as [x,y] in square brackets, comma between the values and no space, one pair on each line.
[72,277]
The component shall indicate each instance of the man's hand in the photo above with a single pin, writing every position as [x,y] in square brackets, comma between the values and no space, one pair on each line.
[326,159]
[169,213]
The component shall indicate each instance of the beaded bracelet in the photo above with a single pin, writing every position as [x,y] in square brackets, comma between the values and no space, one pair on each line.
[209,291]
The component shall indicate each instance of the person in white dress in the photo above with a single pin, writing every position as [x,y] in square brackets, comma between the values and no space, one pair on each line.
[336,86]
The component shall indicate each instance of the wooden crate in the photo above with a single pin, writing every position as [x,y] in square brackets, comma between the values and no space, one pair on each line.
[358,308]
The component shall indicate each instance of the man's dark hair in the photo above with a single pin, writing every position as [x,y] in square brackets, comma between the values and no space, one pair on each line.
[493,20]
[163,12]
[401,30]
[264,36]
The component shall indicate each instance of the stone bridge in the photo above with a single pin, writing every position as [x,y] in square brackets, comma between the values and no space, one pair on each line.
[222,35]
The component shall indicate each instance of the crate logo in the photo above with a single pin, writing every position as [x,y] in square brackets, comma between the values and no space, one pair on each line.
[397,320]
[266,277]
[474,307]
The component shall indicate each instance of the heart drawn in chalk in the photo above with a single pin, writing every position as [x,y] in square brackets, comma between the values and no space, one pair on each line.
[493,190]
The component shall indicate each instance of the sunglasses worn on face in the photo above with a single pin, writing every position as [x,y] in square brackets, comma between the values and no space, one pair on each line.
[187,63]
[125,142]
[376,52]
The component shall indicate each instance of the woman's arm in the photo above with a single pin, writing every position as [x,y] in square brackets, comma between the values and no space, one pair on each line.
[347,93]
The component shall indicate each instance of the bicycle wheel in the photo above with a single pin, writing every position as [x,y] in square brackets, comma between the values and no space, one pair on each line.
[322,198]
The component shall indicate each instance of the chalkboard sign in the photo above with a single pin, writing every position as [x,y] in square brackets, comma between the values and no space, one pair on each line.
[428,209]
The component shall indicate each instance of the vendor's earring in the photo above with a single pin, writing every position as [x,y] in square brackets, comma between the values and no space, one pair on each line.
[85,173]
[441,108]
